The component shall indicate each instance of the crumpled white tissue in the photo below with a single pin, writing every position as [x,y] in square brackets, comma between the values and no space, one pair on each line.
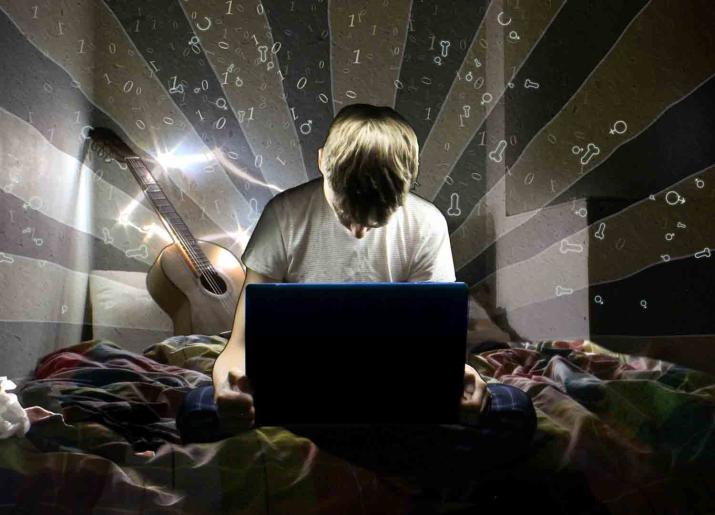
[13,419]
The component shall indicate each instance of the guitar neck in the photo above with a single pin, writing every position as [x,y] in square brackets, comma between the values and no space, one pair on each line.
[193,254]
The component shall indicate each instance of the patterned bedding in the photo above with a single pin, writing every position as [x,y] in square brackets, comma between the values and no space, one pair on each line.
[616,434]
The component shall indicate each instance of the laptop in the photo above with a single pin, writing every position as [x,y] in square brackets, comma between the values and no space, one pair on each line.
[356,353]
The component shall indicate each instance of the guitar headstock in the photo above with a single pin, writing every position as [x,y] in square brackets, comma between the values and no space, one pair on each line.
[107,143]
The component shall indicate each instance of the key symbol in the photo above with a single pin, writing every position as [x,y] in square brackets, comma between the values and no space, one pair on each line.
[599,232]
[591,151]
[142,252]
[561,290]
[454,205]
[445,47]
[107,237]
[570,247]
[498,154]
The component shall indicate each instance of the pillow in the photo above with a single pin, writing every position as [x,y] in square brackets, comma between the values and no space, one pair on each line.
[124,312]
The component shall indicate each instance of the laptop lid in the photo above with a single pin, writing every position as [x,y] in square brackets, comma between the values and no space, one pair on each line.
[356,353]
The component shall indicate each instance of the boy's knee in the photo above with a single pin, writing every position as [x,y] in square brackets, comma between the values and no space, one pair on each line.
[197,418]
[511,414]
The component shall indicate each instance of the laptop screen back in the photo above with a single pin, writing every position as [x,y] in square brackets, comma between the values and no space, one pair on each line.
[344,353]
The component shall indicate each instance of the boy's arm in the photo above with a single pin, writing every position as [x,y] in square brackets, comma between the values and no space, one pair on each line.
[234,353]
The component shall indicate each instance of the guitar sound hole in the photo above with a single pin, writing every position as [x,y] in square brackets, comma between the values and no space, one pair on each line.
[213,283]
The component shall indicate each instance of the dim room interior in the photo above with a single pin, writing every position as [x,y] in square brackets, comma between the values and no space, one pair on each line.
[570,147]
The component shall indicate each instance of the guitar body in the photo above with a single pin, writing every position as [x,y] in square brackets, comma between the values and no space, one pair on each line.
[187,298]
[197,283]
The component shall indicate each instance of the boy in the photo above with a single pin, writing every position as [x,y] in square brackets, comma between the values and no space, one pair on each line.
[357,222]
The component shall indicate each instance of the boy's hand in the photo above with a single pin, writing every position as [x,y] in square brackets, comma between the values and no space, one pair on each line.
[475,397]
[234,403]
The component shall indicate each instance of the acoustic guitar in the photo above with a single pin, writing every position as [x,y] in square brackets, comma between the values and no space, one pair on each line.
[197,283]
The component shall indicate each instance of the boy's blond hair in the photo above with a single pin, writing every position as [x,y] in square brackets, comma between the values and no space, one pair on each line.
[371,158]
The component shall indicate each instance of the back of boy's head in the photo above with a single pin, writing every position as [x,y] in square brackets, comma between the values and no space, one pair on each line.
[371,158]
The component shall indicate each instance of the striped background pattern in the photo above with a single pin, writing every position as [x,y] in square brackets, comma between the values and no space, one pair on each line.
[570,146]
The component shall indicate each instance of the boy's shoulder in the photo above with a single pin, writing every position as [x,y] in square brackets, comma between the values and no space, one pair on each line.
[425,213]
[286,202]
[422,205]
[298,194]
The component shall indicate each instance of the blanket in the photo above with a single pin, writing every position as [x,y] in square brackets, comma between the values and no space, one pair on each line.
[616,434]
[638,430]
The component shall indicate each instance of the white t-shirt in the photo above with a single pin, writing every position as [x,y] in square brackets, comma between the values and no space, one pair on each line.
[299,238]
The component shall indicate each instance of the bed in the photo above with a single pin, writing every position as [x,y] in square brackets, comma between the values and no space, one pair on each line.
[617,434]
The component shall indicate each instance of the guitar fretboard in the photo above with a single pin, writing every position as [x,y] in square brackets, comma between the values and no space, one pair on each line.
[171,218]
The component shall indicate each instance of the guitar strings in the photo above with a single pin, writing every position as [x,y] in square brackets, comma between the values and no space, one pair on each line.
[102,152]
[188,248]
[206,274]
